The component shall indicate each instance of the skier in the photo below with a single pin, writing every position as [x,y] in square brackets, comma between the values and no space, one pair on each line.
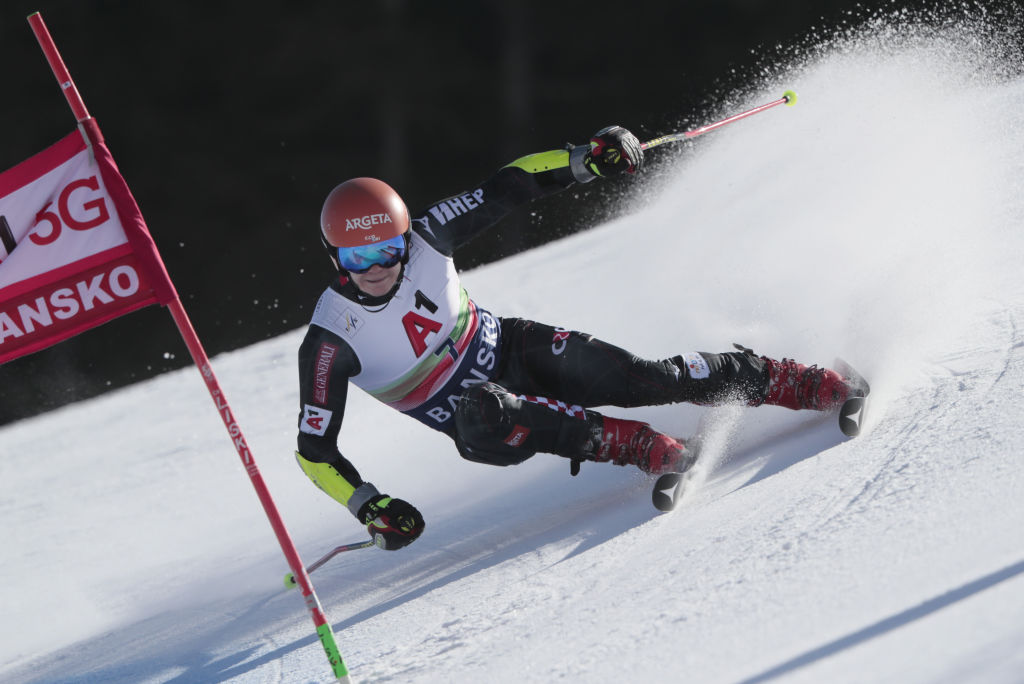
[397,323]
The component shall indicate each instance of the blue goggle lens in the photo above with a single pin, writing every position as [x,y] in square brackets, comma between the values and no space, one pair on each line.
[384,254]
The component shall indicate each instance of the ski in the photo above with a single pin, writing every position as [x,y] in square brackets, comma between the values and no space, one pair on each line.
[669,487]
[851,413]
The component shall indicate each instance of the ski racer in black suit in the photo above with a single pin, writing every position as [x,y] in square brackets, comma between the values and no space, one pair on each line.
[397,323]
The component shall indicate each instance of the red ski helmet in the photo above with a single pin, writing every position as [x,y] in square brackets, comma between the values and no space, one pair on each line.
[362,211]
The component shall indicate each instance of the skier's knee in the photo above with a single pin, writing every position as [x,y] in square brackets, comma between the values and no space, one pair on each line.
[485,431]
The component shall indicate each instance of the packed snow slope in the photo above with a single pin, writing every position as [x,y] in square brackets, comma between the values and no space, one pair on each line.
[879,220]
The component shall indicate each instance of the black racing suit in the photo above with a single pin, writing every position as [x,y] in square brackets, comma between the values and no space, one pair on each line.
[538,394]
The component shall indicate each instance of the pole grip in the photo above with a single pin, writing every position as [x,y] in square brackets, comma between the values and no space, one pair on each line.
[60,71]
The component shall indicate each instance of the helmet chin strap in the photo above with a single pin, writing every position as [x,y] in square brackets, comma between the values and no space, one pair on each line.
[372,300]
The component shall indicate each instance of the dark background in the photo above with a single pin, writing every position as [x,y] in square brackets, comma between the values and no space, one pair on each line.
[232,120]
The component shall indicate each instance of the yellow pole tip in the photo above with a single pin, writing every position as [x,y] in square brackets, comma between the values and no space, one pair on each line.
[790,98]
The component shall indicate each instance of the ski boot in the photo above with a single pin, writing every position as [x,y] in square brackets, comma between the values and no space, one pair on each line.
[795,386]
[629,442]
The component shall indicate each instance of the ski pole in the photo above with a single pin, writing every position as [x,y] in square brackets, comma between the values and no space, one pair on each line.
[788,98]
[289,579]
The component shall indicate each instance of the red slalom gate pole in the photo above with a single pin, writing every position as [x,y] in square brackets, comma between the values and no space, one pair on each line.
[199,357]
[788,98]
[323,628]
[60,71]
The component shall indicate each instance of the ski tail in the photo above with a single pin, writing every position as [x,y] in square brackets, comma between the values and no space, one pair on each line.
[851,413]
[668,489]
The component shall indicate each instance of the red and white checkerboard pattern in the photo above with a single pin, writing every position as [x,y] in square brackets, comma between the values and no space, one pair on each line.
[574,410]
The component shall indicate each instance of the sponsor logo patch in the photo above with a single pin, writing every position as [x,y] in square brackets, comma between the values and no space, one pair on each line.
[445,211]
[518,436]
[697,366]
[315,420]
[350,323]
[561,339]
[324,361]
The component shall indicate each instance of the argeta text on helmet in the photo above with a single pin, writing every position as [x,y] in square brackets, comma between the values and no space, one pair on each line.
[366,222]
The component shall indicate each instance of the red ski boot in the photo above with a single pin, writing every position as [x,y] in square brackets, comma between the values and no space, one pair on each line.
[629,442]
[796,386]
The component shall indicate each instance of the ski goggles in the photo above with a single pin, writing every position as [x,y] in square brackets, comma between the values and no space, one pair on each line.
[361,259]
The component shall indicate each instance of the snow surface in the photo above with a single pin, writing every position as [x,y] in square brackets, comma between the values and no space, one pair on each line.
[879,220]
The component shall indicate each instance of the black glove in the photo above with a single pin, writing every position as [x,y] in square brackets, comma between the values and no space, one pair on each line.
[614,150]
[393,523]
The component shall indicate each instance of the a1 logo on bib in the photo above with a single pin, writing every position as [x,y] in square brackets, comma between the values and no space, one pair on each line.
[315,420]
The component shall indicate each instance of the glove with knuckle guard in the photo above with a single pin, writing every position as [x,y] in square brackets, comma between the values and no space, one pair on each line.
[614,150]
[392,523]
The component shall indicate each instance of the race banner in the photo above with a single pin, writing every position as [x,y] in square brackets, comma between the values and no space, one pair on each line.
[74,250]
